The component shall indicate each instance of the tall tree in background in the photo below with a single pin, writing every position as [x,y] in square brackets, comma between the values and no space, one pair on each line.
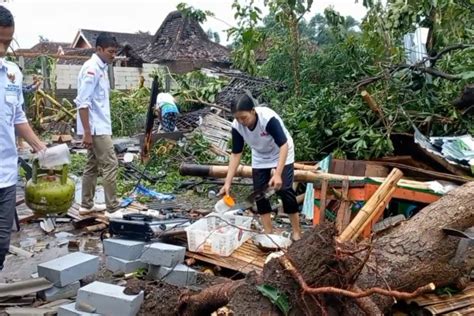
[289,13]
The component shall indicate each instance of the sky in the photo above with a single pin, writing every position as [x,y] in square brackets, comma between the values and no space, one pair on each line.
[59,20]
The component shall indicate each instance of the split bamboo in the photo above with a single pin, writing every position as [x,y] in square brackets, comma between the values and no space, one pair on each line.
[379,208]
[371,206]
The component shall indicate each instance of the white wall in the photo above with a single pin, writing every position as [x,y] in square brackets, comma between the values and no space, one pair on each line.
[125,77]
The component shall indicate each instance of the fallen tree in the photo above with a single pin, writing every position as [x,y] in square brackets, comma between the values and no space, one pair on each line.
[321,276]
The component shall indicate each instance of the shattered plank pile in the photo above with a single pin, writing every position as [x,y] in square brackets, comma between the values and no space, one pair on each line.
[217,131]
[453,304]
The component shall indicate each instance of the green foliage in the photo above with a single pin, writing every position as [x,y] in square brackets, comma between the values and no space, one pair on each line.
[198,147]
[128,111]
[191,12]
[246,36]
[166,158]
[78,163]
[196,87]
[330,115]
[276,297]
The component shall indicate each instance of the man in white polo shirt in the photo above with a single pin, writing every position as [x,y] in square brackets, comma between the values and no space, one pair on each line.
[12,118]
[95,126]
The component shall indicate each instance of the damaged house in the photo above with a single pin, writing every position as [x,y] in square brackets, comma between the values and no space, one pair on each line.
[181,44]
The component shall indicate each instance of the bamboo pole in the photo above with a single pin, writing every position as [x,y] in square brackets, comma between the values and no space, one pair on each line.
[371,206]
[246,172]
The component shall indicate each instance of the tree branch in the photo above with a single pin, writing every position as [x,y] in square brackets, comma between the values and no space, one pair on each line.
[445,51]
[419,67]
[429,70]
[220,107]
[355,293]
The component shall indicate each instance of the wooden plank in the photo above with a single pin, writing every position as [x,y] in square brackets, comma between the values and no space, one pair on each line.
[228,263]
[431,299]
[245,259]
[343,216]
[337,167]
[376,171]
[450,306]
[324,189]
[364,193]
[349,168]
[466,311]
[428,173]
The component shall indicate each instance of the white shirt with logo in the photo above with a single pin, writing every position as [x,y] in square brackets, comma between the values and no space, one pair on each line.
[93,89]
[265,152]
[11,114]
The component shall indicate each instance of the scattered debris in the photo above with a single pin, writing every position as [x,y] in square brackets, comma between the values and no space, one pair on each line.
[455,150]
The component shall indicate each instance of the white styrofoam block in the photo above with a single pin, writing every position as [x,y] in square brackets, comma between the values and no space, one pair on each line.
[123,248]
[161,254]
[180,275]
[56,293]
[109,299]
[69,268]
[121,265]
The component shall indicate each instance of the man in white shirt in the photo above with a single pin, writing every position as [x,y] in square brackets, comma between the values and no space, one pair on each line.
[95,126]
[12,118]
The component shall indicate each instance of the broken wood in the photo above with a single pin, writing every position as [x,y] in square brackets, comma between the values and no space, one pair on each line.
[431,174]
[339,274]
[300,166]
[20,252]
[17,301]
[322,201]
[343,216]
[95,228]
[373,105]
[361,219]
[208,300]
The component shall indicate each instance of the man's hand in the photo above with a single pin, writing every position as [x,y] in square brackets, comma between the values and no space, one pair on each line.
[275,182]
[87,140]
[40,154]
[225,190]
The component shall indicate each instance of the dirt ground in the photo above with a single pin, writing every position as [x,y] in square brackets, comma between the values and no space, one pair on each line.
[162,298]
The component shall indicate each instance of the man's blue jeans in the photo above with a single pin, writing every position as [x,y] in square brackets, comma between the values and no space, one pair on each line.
[7,213]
